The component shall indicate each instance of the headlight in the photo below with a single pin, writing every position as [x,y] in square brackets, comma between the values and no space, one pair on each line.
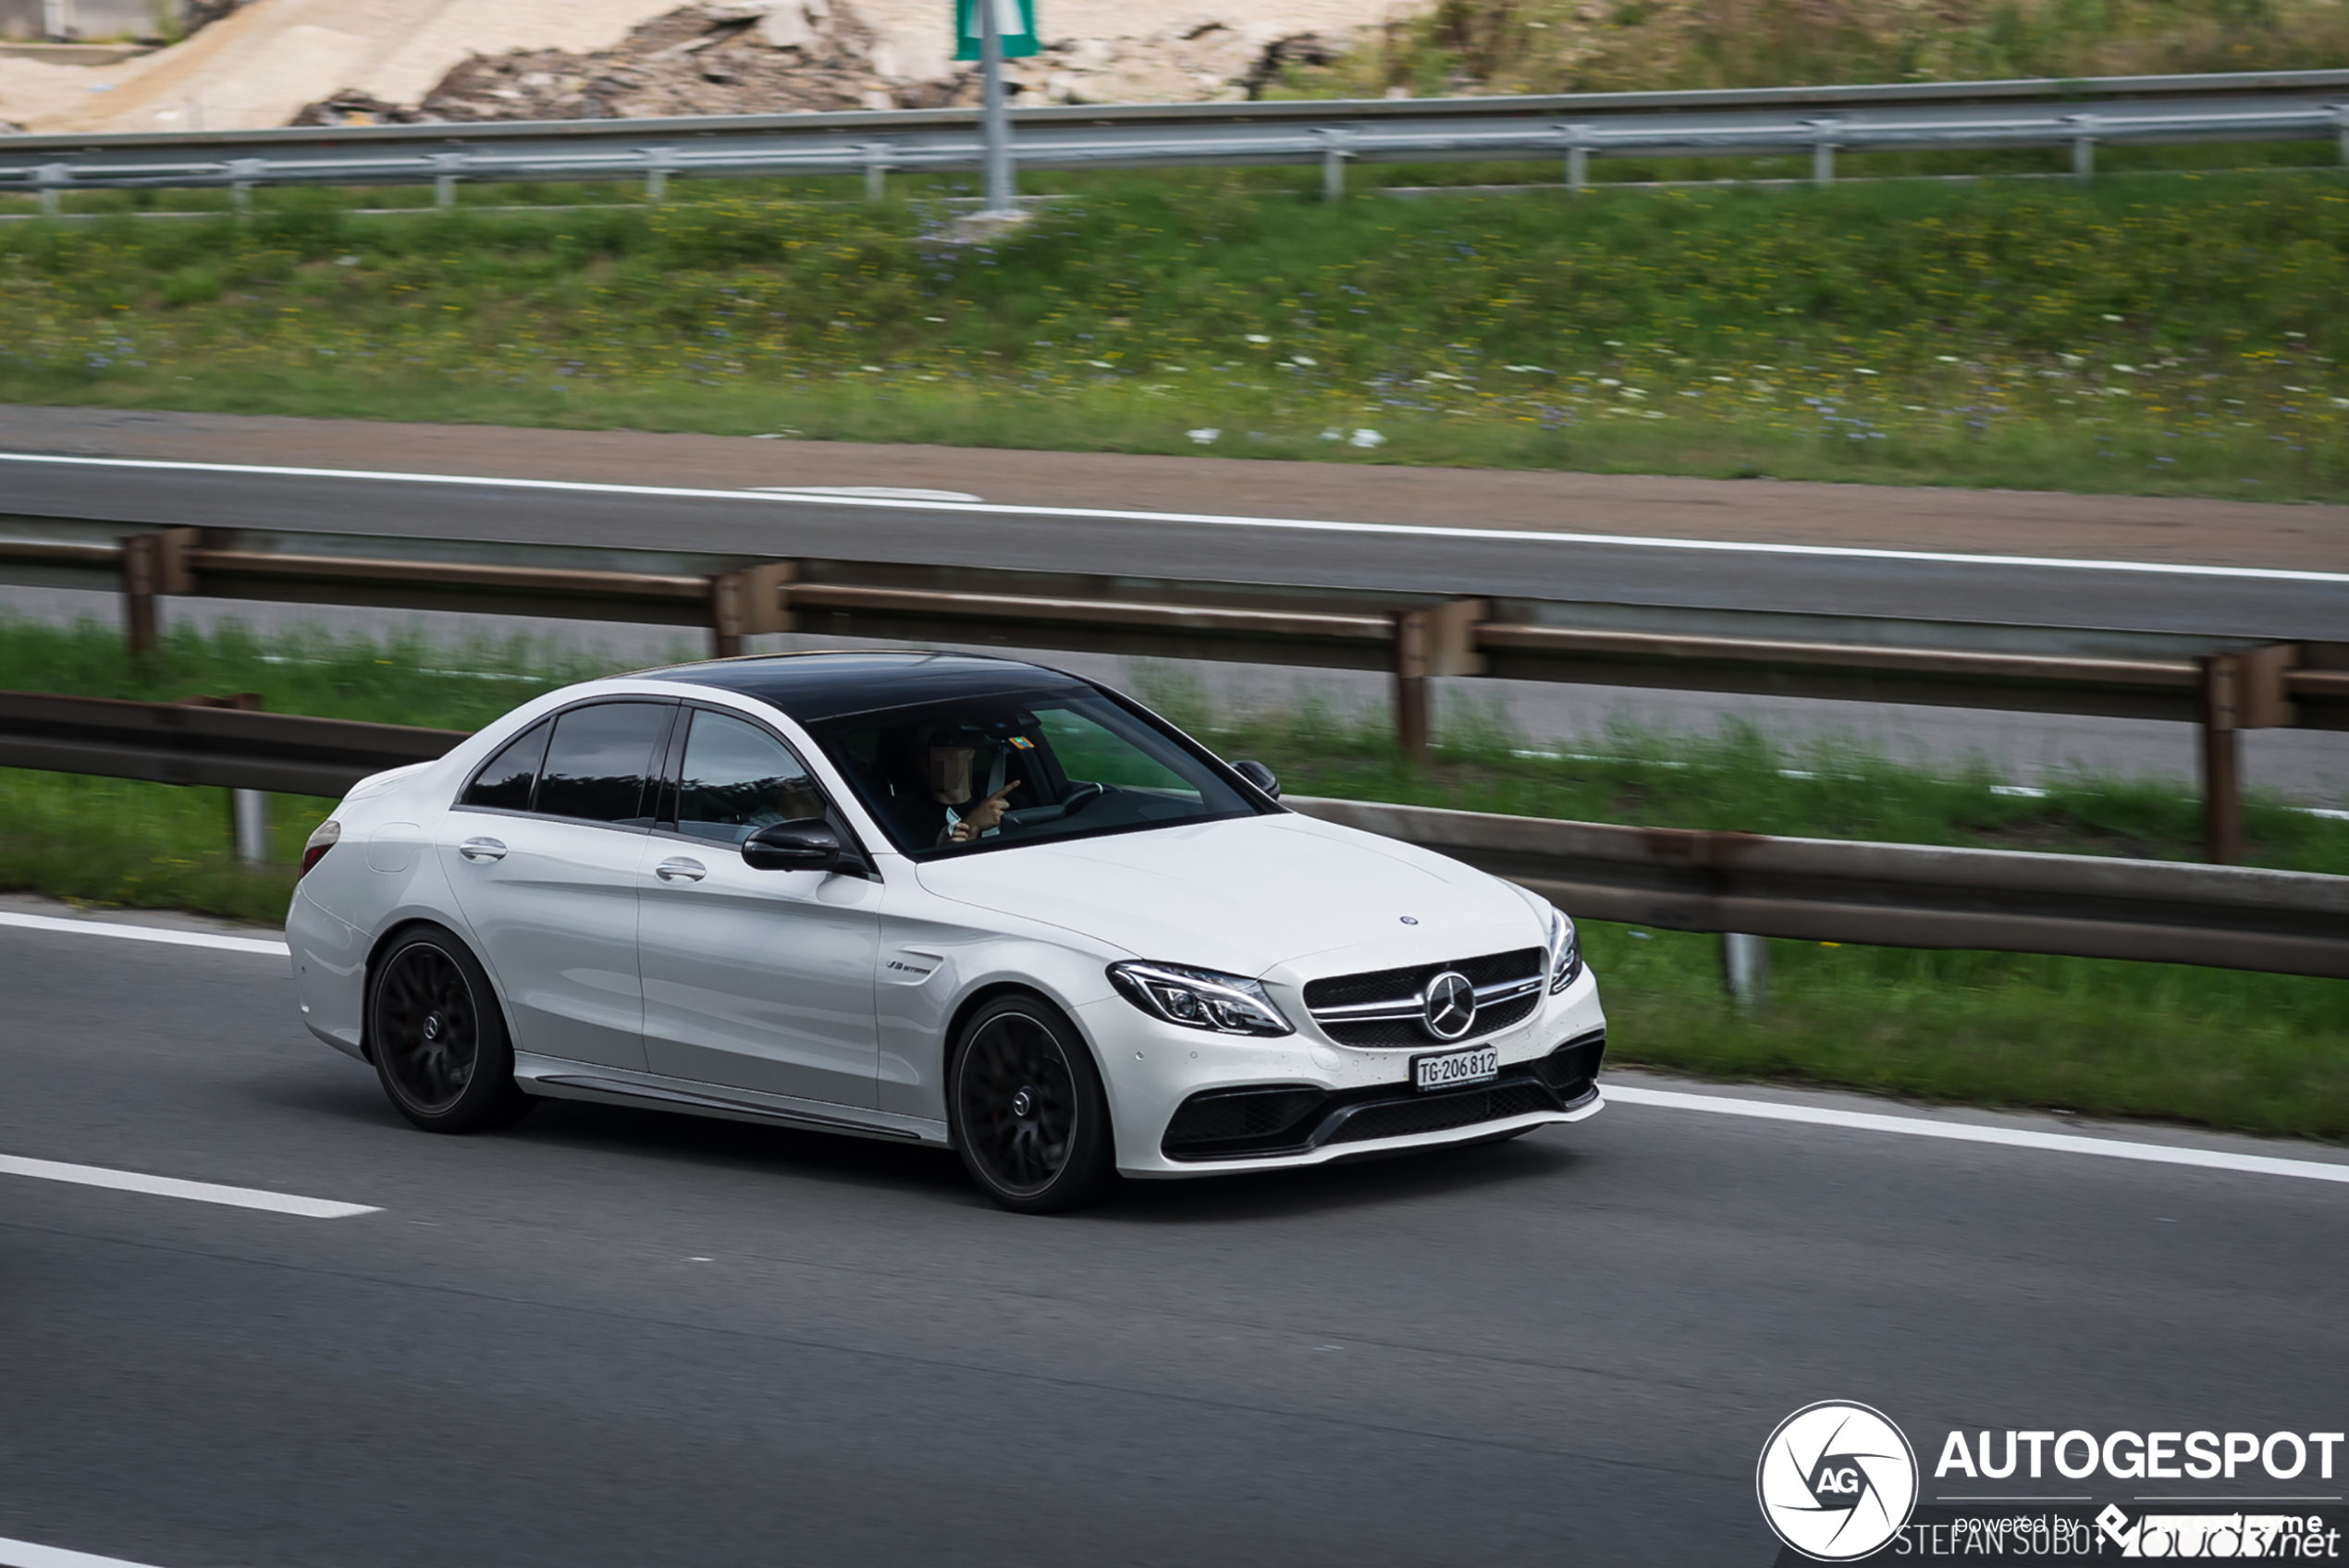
[1565,951]
[1200,999]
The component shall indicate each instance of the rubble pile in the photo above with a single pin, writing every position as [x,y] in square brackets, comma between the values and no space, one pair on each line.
[725,59]
[782,56]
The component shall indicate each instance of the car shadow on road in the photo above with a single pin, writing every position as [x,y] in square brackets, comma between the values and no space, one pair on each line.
[711,1141]
[1401,1178]
[931,1174]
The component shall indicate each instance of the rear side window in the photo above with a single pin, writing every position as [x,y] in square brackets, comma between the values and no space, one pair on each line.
[505,784]
[596,765]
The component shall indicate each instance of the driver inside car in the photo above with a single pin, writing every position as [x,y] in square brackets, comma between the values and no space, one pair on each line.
[935,791]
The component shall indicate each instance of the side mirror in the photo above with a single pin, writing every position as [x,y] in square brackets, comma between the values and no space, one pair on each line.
[806,845]
[1256,772]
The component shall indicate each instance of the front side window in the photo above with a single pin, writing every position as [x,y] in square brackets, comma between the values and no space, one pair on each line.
[599,761]
[737,778]
[998,771]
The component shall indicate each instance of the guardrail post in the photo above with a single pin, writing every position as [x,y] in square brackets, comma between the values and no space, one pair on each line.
[152,565]
[2222,758]
[447,169]
[1441,641]
[1333,157]
[49,179]
[747,603]
[2084,147]
[243,175]
[1578,159]
[657,165]
[1745,967]
[1410,682]
[2240,690]
[1822,151]
[248,809]
[875,155]
[2341,119]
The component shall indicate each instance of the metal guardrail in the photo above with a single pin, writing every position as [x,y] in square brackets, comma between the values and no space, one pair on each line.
[193,743]
[1895,895]
[2223,684]
[1883,895]
[2249,107]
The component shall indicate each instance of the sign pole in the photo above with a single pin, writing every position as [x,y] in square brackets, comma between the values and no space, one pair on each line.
[1001,202]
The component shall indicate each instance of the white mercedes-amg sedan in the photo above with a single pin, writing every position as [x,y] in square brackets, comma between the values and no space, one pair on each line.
[939,898]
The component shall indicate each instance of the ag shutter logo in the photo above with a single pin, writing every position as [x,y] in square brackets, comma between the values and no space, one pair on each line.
[1836,1480]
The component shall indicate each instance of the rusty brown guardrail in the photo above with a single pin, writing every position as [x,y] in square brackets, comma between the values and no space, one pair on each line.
[2222,684]
[1740,885]
[1894,895]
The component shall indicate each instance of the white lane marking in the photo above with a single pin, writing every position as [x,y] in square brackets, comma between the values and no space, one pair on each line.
[27,1554]
[2011,1137]
[1216,519]
[172,1187]
[867,492]
[147,933]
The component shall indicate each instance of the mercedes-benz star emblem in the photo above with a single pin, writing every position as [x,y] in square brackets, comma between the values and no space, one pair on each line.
[1451,1005]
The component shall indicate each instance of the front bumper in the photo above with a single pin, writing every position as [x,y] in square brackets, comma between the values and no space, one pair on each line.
[1191,1105]
[1221,1126]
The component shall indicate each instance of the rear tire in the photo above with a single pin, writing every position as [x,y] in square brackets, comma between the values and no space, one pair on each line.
[439,1036]
[1026,1109]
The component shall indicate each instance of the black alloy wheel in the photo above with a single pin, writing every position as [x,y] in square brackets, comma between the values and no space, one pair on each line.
[1029,1118]
[438,1037]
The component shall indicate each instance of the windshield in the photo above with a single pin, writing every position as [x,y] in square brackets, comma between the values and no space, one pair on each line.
[979,773]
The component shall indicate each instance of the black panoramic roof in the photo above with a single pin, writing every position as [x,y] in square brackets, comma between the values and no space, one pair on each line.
[811,687]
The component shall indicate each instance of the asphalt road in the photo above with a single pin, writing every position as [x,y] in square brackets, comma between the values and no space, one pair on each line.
[620,1338]
[1447,559]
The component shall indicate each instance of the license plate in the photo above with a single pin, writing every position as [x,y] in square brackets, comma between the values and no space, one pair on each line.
[1456,1067]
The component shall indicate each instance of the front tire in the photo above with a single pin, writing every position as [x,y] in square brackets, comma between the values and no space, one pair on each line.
[1027,1109]
[439,1036]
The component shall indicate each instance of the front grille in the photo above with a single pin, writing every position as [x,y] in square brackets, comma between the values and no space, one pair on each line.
[1292,1118]
[1380,984]
[1411,1031]
[1398,996]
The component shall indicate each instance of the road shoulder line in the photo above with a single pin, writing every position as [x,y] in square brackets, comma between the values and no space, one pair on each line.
[2010,1137]
[163,933]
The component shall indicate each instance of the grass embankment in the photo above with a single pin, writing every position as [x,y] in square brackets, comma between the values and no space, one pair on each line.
[2258,1052]
[2168,334]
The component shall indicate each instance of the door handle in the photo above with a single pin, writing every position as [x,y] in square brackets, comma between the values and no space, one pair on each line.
[479,850]
[679,869]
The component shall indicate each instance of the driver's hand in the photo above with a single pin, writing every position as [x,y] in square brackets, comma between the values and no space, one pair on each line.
[988,814]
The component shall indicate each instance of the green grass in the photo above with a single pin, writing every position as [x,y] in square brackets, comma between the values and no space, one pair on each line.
[2262,1053]
[2173,333]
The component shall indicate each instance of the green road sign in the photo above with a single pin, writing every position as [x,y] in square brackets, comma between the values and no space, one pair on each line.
[1015,23]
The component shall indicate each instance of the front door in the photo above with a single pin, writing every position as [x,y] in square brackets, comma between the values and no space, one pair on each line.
[753,979]
[542,850]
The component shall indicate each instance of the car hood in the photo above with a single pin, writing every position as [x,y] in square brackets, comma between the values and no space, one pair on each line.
[1250,895]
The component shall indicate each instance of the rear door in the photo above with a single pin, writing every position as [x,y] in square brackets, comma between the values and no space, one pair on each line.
[542,849]
[754,979]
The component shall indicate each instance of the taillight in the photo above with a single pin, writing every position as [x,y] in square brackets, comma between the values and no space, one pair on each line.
[315,850]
